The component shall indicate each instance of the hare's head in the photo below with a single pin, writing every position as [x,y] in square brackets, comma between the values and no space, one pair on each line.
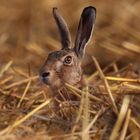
[64,66]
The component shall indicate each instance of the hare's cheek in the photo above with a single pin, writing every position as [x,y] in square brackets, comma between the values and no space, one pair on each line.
[70,75]
[73,78]
[54,79]
[59,66]
[76,78]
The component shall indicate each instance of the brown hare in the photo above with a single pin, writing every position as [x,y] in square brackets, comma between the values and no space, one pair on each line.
[64,66]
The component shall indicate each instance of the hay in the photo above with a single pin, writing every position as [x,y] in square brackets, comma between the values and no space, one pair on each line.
[108,108]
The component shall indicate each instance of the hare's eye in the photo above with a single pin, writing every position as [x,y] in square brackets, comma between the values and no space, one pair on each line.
[68,60]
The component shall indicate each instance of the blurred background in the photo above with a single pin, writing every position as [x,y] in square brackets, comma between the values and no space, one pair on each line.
[28,31]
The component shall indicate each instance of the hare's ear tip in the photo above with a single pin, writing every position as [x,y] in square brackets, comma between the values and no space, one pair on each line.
[94,9]
[90,8]
[55,8]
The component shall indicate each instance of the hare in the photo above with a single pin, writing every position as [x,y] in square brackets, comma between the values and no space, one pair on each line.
[64,66]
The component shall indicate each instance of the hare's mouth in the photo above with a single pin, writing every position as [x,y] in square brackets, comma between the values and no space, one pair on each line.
[51,81]
[45,80]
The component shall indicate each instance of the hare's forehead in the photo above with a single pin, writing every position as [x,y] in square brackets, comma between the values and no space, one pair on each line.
[60,54]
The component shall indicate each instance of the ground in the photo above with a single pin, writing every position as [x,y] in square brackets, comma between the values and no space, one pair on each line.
[108,105]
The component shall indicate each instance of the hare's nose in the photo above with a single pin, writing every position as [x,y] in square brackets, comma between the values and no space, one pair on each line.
[45,74]
[45,77]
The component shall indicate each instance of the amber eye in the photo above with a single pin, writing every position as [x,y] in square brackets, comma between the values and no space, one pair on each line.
[68,60]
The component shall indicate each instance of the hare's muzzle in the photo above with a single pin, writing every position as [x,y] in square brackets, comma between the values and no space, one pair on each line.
[45,77]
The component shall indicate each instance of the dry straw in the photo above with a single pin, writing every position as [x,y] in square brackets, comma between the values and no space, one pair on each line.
[28,34]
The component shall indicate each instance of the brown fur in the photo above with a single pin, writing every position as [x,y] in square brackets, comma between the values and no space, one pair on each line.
[61,73]
[56,71]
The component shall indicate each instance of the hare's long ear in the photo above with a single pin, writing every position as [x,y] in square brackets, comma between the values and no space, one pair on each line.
[85,29]
[63,29]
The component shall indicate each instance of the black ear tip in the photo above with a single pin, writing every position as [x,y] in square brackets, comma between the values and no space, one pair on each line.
[90,8]
[55,9]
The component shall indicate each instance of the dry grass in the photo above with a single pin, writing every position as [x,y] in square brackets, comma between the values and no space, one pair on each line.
[109,106]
